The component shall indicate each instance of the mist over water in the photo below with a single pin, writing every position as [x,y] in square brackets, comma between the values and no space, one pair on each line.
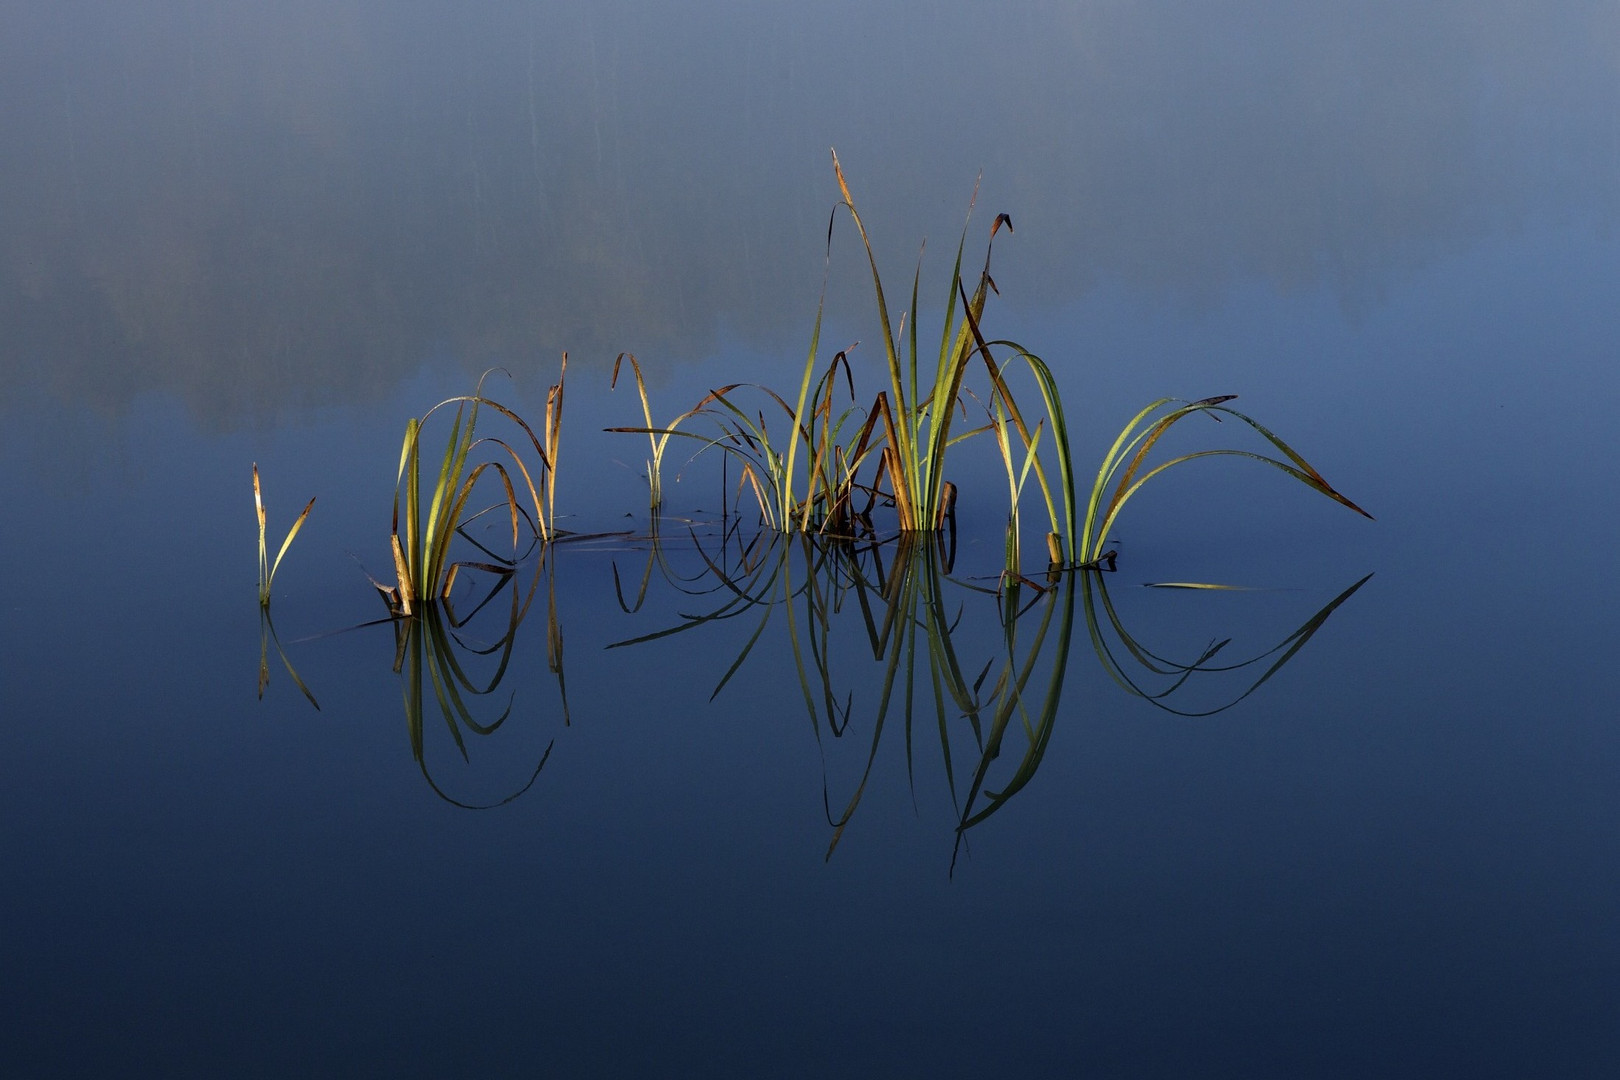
[259,207]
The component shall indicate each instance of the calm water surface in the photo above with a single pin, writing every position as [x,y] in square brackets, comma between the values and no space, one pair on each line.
[236,235]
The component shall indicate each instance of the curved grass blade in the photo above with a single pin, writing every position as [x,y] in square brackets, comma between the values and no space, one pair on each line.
[1182,673]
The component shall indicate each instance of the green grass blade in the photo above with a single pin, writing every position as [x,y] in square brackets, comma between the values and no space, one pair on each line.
[264,566]
[1305,471]
[1092,539]
[1118,503]
[877,285]
[797,412]
[287,543]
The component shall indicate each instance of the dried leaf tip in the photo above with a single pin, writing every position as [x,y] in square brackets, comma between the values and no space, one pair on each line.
[838,170]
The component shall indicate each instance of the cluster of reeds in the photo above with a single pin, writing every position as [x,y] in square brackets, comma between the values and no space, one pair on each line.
[823,467]
[431,510]
[815,466]
[744,431]
[926,390]
[820,464]
[267,577]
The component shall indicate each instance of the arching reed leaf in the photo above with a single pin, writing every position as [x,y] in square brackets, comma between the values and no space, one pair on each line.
[1117,478]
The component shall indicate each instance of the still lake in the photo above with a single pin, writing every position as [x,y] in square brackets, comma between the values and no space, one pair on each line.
[236,234]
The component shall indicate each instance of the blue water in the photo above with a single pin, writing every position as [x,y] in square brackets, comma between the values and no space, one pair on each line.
[1396,856]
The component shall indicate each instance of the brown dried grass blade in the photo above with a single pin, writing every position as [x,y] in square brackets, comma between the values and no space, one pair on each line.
[405,592]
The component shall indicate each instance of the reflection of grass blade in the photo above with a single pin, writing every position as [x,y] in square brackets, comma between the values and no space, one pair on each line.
[903,611]
[903,608]
[1095,588]
[747,648]
[746,594]
[641,590]
[267,637]
[430,652]
[897,648]
[1011,703]
[749,591]
[818,624]
[914,608]
[554,643]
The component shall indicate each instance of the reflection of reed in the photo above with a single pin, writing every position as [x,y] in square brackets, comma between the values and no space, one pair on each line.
[1177,675]
[1009,700]
[900,593]
[997,717]
[436,652]
[267,638]
[903,609]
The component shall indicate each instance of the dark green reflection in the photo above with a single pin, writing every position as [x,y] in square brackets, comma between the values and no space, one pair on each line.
[1156,678]
[268,638]
[874,634]
[882,631]
[457,661]
[908,613]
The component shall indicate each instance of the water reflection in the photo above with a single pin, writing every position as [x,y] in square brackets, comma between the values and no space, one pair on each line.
[880,638]
[1133,666]
[452,666]
[882,635]
[268,639]
[907,613]
[259,206]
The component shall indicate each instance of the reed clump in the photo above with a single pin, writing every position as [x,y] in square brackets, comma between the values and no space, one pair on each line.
[819,463]
[914,416]
[431,509]
[822,465]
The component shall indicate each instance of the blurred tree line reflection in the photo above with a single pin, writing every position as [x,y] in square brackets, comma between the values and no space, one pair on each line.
[259,207]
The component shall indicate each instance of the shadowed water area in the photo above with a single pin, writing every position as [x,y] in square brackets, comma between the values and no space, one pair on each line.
[683,795]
